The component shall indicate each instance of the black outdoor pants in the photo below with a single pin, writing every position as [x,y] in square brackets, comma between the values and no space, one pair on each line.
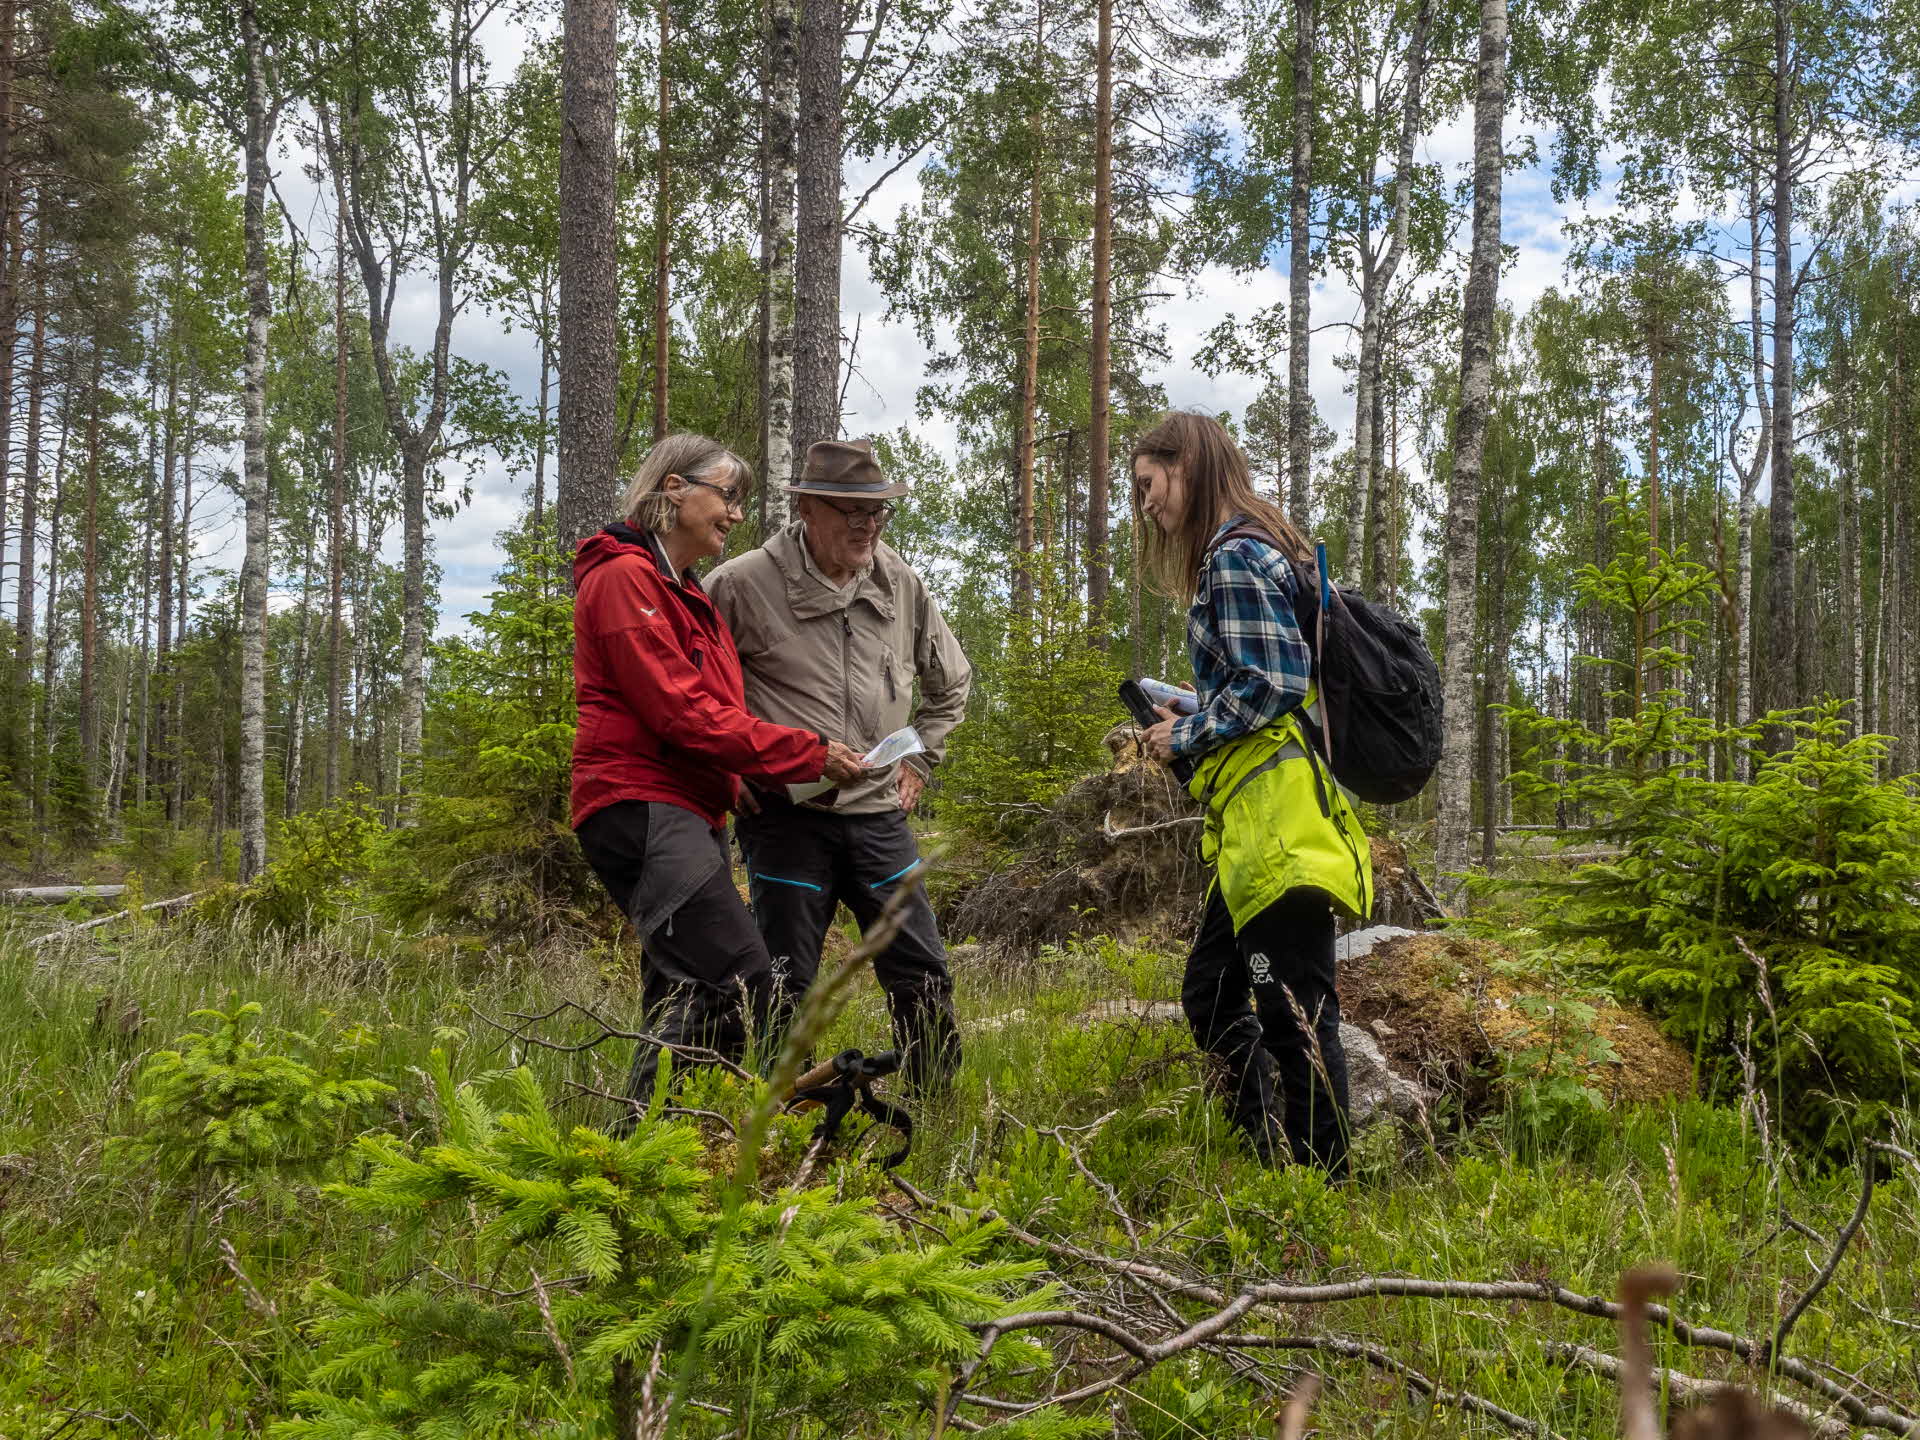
[803,863]
[704,975]
[1236,998]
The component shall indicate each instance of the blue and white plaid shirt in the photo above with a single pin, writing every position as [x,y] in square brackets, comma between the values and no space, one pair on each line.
[1250,662]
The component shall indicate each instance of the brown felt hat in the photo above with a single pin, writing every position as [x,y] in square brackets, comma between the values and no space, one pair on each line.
[845,468]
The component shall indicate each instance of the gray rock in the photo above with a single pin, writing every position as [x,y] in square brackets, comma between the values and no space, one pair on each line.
[1362,942]
[1374,1089]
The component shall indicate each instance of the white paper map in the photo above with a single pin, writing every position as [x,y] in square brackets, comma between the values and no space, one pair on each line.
[884,756]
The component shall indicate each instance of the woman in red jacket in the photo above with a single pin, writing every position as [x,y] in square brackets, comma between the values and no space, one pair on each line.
[663,737]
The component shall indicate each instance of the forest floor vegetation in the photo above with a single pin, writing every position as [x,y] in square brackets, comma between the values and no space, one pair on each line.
[291,1265]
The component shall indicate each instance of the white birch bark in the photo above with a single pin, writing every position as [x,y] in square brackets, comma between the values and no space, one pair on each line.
[1454,801]
[253,567]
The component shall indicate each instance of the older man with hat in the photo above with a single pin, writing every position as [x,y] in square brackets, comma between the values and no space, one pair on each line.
[836,632]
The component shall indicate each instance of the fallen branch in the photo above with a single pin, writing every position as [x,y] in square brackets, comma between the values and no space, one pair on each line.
[696,1054]
[1381,1360]
[1108,829]
[1265,1297]
[1689,1388]
[1825,1277]
[70,930]
[59,894]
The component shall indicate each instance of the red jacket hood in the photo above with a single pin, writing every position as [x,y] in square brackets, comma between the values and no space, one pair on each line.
[603,545]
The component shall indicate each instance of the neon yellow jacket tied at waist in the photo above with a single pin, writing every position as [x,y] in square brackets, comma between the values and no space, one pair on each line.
[1276,821]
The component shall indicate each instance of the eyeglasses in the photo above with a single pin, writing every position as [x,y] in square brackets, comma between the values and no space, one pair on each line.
[732,495]
[861,518]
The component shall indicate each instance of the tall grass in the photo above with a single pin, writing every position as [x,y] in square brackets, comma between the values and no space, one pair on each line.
[128,1303]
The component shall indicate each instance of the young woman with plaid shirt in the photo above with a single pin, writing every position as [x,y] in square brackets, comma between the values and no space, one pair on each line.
[1283,840]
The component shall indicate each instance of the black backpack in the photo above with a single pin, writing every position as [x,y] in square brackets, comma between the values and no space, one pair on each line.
[1379,687]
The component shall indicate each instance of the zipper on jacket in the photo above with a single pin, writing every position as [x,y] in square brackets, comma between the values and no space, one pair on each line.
[846,669]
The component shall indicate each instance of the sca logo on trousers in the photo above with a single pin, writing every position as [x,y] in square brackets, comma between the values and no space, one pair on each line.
[1260,967]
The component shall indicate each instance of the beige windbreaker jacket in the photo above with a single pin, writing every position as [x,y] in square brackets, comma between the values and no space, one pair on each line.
[844,662]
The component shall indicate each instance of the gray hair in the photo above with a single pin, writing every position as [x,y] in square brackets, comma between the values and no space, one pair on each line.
[645,505]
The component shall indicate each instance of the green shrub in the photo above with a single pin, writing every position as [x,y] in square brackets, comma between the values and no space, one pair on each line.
[568,1262]
[221,1100]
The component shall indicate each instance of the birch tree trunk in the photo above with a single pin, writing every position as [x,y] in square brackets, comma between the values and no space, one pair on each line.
[337,490]
[589,269]
[1784,687]
[816,311]
[1099,462]
[23,574]
[161,750]
[1023,579]
[1454,801]
[1740,634]
[1300,266]
[90,582]
[297,689]
[662,249]
[1851,639]
[253,566]
[777,248]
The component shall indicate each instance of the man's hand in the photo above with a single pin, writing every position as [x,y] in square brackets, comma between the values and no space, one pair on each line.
[842,764]
[1157,740]
[747,801]
[912,782]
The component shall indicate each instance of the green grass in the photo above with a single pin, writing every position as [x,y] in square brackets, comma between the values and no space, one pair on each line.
[122,1313]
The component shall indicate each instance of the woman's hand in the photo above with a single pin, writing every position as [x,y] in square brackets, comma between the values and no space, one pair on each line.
[842,764]
[1157,740]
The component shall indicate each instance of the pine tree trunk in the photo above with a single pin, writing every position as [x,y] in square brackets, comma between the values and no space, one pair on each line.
[1300,279]
[1455,796]
[662,270]
[816,311]
[253,566]
[777,247]
[589,270]
[1099,462]
[1784,661]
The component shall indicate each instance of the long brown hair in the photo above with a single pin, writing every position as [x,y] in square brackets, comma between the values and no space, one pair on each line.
[1218,481]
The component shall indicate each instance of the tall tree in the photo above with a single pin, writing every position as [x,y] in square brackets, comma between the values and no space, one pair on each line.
[821,39]
[1099,462]
[662,234]
[1300,264]
[589,269]
[1453,800]
[780,111]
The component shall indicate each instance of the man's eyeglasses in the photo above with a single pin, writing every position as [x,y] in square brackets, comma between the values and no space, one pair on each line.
[732,495]
[861,517]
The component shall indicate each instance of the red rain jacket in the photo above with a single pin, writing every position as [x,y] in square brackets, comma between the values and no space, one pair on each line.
[657,680]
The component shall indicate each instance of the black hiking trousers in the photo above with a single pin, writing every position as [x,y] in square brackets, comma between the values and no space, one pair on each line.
[1236,995]
[802,864]
[704,974]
